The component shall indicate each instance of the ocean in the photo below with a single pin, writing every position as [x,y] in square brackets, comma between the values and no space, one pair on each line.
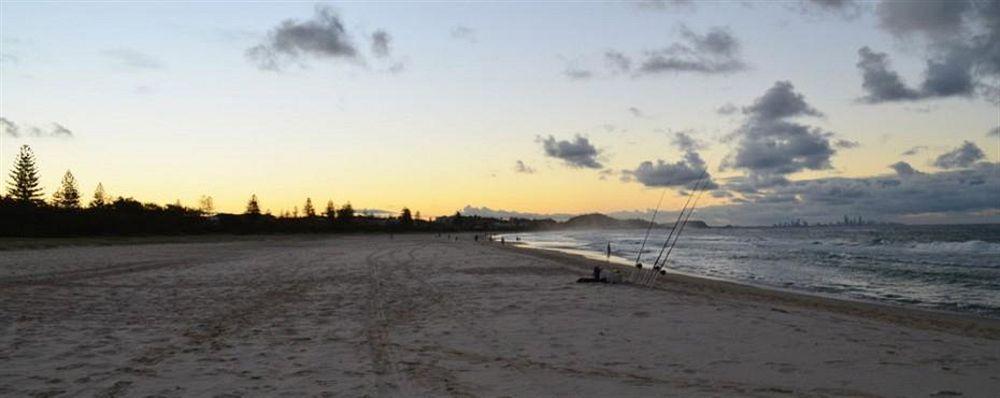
[951,268]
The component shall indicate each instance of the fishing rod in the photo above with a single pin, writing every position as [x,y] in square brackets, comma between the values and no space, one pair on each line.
[638,256]
[680,215]
[697,184]
[686,218]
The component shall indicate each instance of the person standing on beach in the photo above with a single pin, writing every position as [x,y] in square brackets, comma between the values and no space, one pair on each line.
[609,251]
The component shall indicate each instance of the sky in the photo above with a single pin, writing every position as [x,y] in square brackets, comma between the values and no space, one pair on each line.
[797,109]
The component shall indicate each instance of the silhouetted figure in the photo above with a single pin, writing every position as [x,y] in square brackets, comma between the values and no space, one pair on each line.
[595,279]
[502,241]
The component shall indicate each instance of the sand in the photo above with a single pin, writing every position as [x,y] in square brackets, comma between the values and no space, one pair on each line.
[419,315]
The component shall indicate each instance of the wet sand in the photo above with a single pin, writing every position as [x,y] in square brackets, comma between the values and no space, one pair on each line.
[419,315]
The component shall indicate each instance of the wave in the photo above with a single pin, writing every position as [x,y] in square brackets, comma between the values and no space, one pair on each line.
[970,247]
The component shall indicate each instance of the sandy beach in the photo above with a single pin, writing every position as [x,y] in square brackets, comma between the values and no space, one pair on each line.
[420,315]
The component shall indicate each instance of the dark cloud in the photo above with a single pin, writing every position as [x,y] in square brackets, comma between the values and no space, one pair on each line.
[578,74]
[665,5]
[834,5]
[903,169]
[463,33]
[59,130]
[880,83]
[846,9]
[9,128]
[913,151]
[930,17]
[950,74]
[779,102]
[846,144]
[13,130]
[380,43]
[578,153]
[962,38]
[770,146]
[715,52]
[967,195]
[323,36]
[520,167]
[685,142]
[133,58]
[964,156]
[727,109]
[617,61]
[960,194]
[682,173]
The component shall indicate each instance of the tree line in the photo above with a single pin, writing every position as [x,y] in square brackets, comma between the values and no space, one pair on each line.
[25,212]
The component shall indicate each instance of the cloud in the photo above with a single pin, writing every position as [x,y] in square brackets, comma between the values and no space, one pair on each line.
[133,58]
[380,43]
[994,132]
[779,102]
[846,144]
[578,74]
[880,83]
[903,169]
[685,142]
[848,9]
[59,130]
[323,36]
[13,130]
[635,111]
[617,61]
[915,150]
[962,38]
[770,146]
[964,156]
[948,196]
[463,33]
[715,52]
[931,17]
[578,153]
[665,5]
[520,167]
[9,128]
[682,173]
[727,109]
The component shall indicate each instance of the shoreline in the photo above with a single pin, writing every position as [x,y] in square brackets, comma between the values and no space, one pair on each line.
[918,318]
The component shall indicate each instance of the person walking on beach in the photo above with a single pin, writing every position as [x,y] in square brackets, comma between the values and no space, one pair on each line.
[609,251]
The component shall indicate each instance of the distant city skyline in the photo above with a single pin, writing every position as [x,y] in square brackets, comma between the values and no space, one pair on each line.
[800,109]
